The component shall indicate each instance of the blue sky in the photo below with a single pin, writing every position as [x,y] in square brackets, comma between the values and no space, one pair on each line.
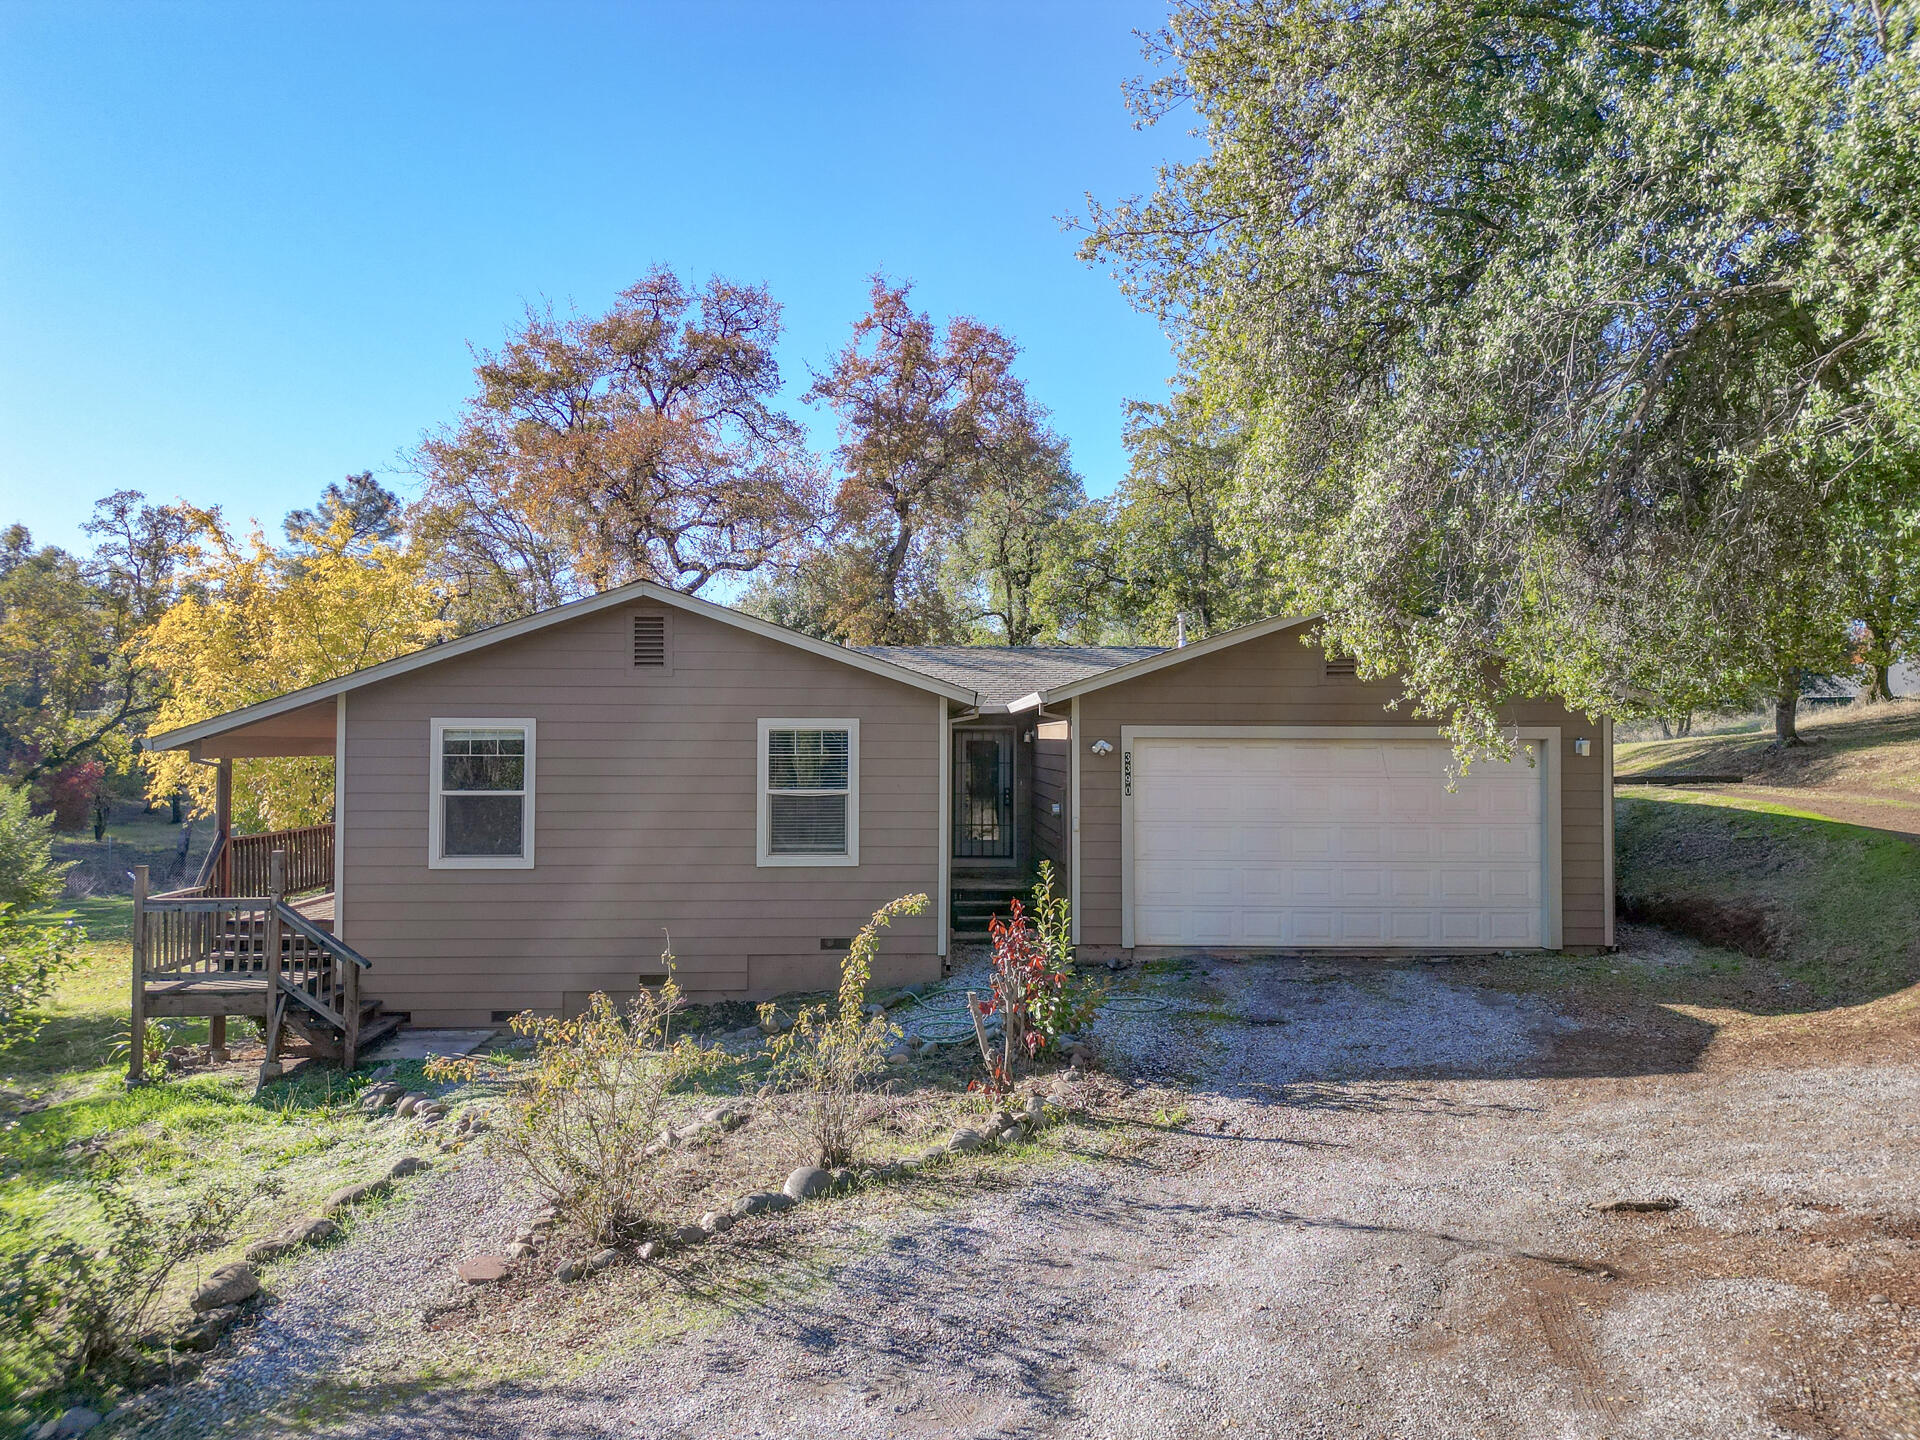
[244,248]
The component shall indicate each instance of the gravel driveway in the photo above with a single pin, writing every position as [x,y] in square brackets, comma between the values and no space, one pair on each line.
[1375,1218]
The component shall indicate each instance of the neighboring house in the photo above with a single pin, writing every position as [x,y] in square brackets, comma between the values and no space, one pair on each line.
[532,813]
[1820,692]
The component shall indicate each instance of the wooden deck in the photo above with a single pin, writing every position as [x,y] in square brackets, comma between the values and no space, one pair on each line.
[316,908]
[208,995]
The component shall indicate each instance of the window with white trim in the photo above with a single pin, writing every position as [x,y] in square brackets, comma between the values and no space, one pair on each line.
[482,807]
[809,792]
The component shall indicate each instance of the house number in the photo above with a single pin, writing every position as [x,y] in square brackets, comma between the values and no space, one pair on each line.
[1126,771]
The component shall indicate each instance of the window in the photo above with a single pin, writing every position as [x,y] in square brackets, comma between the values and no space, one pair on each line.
[482,807]
[809,792]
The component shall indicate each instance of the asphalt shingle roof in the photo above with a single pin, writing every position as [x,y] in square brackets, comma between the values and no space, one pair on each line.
[1002,674]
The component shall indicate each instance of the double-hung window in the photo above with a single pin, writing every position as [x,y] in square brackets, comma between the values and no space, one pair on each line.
[809,792]
[481,816]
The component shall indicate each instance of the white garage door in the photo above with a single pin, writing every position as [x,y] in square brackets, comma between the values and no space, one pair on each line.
[1334,842]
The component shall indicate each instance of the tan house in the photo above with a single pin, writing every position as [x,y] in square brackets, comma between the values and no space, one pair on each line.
[534,812]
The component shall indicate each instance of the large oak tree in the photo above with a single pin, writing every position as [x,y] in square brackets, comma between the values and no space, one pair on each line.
[1567,337]
[932,423]
[641,443]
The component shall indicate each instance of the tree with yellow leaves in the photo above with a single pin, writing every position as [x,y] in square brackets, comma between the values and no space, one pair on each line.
[253,621]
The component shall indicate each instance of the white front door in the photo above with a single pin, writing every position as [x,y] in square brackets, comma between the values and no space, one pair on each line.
[1356,843]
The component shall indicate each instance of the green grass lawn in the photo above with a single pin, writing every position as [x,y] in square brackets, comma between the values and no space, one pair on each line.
[1830,911]
[67,1115]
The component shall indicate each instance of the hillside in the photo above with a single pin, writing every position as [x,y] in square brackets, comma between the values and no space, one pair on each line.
[1859,766]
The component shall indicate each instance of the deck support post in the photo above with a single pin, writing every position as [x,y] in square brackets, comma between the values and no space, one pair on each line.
[276,1002]
[137,1026]
[217,1040]
[350,1009]
[223,827]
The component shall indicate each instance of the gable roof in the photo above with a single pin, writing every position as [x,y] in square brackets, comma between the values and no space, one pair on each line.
[1161,660]
[1002,674]
[560,614]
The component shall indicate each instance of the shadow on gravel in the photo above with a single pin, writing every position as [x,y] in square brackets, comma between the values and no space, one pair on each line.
[1352,1034]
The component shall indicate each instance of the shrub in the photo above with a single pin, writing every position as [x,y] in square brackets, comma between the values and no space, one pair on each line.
[1036,990]
[583,1119]
[29,875]
[831,1051]
[70,1309]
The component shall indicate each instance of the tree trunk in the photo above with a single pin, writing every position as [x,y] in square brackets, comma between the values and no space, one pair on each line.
[1786,709]
[1686,725]
[1666,731]
[1879,684]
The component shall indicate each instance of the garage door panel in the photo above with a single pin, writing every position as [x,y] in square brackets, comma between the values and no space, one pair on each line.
[1308,885]
[1513,885]
[1513,842]
[1312,842]
[1411,884]
[1515,927]
[1354,843]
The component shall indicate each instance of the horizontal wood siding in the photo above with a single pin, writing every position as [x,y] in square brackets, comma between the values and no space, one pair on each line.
[645,801]
[1052,764]
[1276,680]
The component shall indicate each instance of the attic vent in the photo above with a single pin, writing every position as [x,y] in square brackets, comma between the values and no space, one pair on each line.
[1342,667]
[650,641]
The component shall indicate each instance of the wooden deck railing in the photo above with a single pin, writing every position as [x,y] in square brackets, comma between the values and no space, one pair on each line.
[183,937]
[309,852]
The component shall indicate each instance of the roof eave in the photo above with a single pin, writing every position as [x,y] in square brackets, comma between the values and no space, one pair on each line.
[1166,659]
[528,624]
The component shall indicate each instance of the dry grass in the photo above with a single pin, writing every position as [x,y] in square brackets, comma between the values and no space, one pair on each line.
[1870,751]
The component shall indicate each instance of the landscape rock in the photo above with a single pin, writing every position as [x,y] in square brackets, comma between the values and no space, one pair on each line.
[407,1165]
[602,1260]
[312,1231]
[408,1104]
[759,1202]
[354,1194]
[77,1421]
[520,1250]
[229,1285]
[1036,1109]
[841,1177]
[807,1182]
[716,1222]
[689,1235]
[569,1271]
[483,1269]
[650,1249]
[206,1332]
[966,1139]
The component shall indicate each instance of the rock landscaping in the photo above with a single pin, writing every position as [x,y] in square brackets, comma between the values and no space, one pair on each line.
[229,1285]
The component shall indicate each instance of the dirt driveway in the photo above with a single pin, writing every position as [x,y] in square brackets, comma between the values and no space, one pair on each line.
[1362,1205]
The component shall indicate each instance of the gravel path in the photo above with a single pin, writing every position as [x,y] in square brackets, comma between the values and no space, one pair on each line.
[1375,1220]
